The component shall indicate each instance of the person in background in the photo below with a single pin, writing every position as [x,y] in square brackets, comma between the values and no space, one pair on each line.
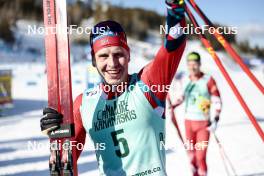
[200,96]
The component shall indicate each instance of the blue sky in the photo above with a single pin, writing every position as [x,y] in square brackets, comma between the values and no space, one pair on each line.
[224,11]
[248,15]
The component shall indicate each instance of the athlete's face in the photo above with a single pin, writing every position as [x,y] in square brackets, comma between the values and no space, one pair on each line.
[193,67]
[112,64]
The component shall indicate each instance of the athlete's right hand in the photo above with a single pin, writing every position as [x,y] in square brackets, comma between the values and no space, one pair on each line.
[176,2]
[178,101]
[50,120]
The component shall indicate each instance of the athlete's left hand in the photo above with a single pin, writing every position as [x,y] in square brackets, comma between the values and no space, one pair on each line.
[212,125]
[175,8]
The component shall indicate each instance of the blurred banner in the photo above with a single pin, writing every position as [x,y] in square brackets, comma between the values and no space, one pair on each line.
[5,86]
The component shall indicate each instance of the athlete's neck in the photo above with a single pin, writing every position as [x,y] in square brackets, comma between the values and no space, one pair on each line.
[195,77]
[114,91]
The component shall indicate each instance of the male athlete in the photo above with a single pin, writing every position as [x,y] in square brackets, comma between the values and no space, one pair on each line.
[128,121]
[199,93]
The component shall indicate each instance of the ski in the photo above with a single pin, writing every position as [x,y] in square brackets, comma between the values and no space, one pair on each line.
[63,157]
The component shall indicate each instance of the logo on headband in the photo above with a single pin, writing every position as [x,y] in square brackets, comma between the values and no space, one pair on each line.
[104,41]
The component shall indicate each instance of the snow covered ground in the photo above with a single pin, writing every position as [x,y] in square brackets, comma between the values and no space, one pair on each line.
[20,131]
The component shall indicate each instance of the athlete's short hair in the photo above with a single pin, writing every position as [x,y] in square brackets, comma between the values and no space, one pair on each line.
[194,56]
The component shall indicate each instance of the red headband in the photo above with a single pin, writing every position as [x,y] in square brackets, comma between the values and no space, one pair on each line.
[108,41]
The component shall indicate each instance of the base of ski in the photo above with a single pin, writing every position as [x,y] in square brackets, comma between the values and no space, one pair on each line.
[67,159]
[61,160]
[55,162]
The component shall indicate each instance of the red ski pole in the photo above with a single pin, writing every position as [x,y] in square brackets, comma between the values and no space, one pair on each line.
[227,46]
[173,118]
[174,121]
[211,51]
